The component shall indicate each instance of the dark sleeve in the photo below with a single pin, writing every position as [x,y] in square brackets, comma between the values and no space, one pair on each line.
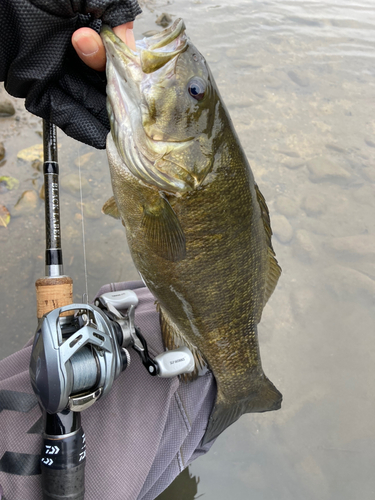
[38,62]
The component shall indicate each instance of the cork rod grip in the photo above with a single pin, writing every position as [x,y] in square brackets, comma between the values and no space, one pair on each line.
[52,293]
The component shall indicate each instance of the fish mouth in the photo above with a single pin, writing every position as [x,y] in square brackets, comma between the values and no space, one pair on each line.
[128,73]
[166,36]
[170,42]
[161,48]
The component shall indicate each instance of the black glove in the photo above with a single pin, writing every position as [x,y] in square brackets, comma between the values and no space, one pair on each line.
[38,61]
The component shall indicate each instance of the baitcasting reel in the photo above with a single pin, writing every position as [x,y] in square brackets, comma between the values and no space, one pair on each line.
[80,349]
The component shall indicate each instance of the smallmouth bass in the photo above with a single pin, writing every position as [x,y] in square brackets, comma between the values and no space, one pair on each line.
[197,226]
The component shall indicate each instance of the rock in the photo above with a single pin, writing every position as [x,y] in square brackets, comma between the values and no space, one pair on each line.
[164,20]
[365,194]
[291,154]
[358,247]
[71,233]
[95,259]
[32,153]
[2,151]
[304,248]
[282,228]
[302,299]
[242,63]
[4,216]
[271,83]
[292,162]
[8,183]
[364,266]
[350,284]
[6,109]
[91,210]
[117,235]
[322,170]
[28,201]
[314,204]
[83,160]
[70,183]
[298,79]
[335,147]
[287,206]
[368,173]
[37,164]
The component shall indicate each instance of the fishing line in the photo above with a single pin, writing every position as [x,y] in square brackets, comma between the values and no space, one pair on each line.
[85,296]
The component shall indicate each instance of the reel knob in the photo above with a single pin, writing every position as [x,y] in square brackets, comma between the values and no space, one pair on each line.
[175,362]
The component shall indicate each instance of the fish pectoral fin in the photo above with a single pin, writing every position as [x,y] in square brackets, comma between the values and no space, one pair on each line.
[110,208]
[265,398]
[163,230]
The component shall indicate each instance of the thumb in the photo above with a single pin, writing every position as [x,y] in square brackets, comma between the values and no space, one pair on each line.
[90,48]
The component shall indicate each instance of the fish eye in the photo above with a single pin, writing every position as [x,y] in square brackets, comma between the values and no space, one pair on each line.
[197,88]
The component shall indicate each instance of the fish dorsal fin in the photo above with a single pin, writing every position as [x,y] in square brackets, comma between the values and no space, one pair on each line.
[110,208]
[173,339]
[274,268]
[163,229]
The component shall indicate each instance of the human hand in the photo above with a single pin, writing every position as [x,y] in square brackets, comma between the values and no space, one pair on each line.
[38,61]
[90,48]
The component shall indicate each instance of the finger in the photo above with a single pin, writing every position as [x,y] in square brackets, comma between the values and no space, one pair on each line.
[126,33]
[89,48]
[89,45]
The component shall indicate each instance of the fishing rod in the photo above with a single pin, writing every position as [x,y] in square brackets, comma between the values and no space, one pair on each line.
[79,350]
[63,451]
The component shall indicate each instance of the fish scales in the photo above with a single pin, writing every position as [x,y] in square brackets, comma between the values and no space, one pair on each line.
[213,276]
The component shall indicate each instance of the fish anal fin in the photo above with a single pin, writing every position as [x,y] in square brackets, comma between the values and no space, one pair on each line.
[274,268]
[110,208]
[265,398]
[173,339]
[163,229]
[273,275]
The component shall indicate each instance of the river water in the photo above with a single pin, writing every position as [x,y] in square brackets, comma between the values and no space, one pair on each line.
[298,78]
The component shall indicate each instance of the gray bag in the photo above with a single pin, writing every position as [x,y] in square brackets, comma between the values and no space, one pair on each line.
[139,437]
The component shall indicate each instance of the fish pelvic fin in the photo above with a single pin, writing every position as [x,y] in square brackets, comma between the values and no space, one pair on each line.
[266,398]
[163,230]
[274,271]
[173,339]
[110,208]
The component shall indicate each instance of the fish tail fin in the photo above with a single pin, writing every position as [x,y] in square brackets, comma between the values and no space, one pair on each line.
[265,398]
